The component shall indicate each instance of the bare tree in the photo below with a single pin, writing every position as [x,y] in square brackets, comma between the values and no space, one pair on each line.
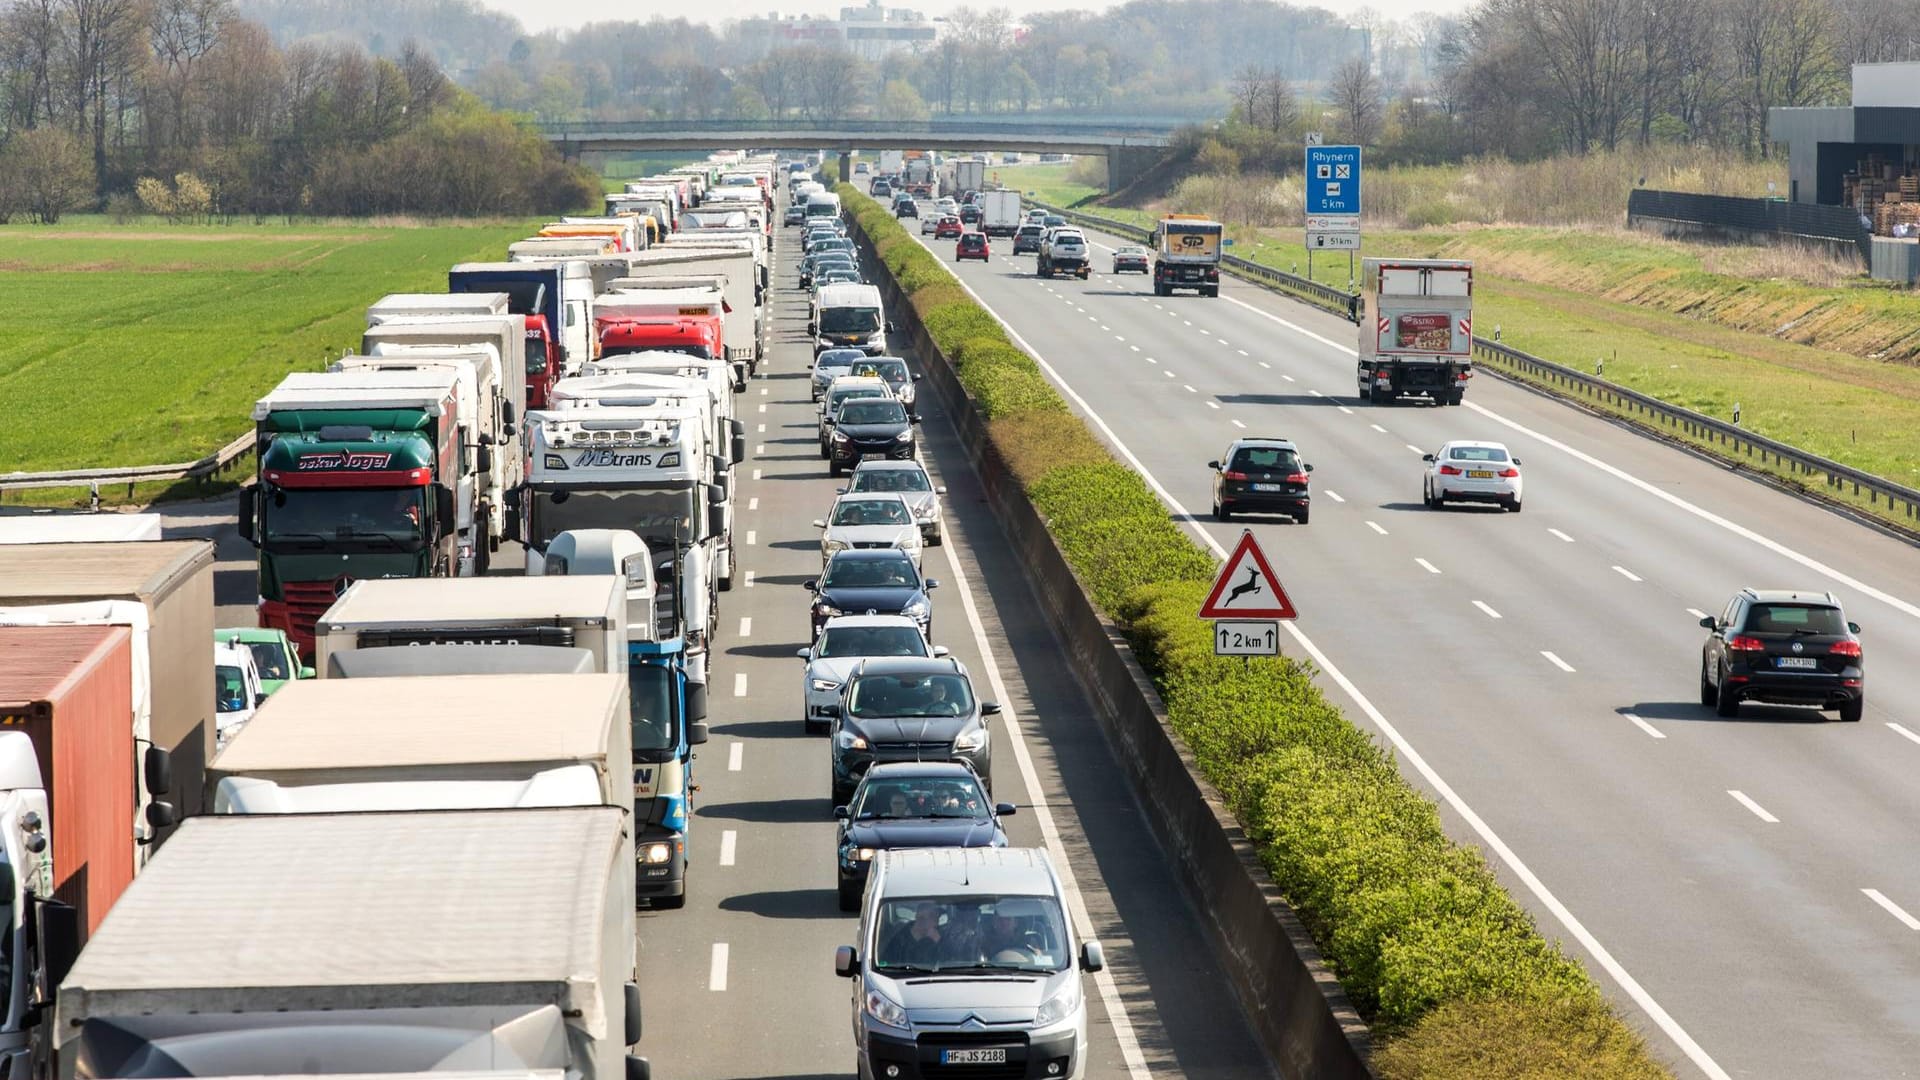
[1278,106]
[100,44]
[181,32]
[1247,88]
[52,172]
[1588,49]
[1356,93]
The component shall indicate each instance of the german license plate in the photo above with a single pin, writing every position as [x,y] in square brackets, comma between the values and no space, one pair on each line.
[984,1055]
[1480,474]
[1800,662]
[1266,487]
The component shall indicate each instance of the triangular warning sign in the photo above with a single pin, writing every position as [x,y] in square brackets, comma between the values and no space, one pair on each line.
[1247,587]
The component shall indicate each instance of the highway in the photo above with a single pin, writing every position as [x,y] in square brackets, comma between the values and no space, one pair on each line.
[1746,889]
[739,984]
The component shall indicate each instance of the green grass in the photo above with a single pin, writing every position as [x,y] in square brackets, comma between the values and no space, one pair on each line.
[147,343]
[1054,184]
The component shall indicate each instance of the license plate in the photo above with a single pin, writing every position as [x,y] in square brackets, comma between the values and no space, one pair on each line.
[1801,662]
[1266,487]
[1480,474]
[986,1055]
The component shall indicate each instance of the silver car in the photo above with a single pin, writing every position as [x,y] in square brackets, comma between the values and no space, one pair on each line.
[845,641]
[869,521]
[830,365]
[966,959]
[910,480]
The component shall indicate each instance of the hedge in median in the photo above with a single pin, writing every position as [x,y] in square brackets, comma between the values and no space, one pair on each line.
[1432,951]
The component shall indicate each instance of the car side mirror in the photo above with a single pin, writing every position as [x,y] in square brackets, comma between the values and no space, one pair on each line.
[891,327]
[914,418]
[1853,628]
[989,708]
[840,813]
[1309,468]
[158,767]
[941,652]
[819,524]
[1517,461]
[917,378]
[1426,457]
[811,586]
[812,327]
[932,583]
[1092,957]
[1214,465]
[161,815]
[939,491]
[804,654]
[638,1068]
[1005,809]
[259,699]
[845,961]
[1710,622]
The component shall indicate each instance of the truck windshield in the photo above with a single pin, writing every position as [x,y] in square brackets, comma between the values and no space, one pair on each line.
[270,658]
[295,515]
[849,320]
[650,691]
[662,518]
[536,355]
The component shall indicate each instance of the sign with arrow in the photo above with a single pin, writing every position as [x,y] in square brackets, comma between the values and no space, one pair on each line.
[1247,587]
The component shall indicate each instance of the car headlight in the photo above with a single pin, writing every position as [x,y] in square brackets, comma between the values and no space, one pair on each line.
[915,609]
[834,545]
[882,1008]
[851,740]
[925,510]
[839,436]
[970,742]
[823,686]
[864,854]
[905,436]
[908,541]
[656,853]
[825,609]
[1059,1006]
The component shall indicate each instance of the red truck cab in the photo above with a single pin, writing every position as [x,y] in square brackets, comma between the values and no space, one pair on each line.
[690,334]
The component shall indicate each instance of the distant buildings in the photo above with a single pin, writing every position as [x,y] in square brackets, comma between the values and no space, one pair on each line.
[870,32]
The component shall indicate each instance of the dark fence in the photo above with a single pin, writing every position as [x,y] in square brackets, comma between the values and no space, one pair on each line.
[1835,223]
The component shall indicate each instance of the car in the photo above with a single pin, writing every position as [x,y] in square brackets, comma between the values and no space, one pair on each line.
[1261,475]
[970,214]
[813,264]
[867,522]
[1780,647]
[1052,221]
[904,709]
[275,660]
[1036,215]
[876,582]
[1010,954]
[881,188]
[906,208]
[912,804]
[844,641]
[795,215]
[830,365]
[861,168]
[837,393]
[1129,258]
[929,223]
[948,204]
[893,371]
[908,478]
[1469,471]
[948,227]
[1027,238]
[821,243]
[972,245]
[834,274]
[869,428]
[237,692]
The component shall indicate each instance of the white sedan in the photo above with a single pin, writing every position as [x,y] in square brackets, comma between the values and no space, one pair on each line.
[877,520]
[844,641]
[1471,471]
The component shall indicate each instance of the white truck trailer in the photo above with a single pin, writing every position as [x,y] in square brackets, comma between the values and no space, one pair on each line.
[1416,330]
[408,305]
[580,612]
[1000,212]
[372,942]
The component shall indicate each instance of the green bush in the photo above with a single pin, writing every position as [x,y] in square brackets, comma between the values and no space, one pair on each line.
[1430,948]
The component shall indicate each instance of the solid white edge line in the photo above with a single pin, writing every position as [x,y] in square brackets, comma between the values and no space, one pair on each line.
[1758,810]
[1658,1014]
[1646,727]
[729,839]
[1554,659]
[1483,606]
[1626,573]
[1427,566]
[736,752]
[1892,908]
[739,684]
[717,970]
[1901,730]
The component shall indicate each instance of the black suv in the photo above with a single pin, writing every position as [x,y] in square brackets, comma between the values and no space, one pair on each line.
[877,427]
[1027,238]
[1258,474]
[1783,648]
[909,709]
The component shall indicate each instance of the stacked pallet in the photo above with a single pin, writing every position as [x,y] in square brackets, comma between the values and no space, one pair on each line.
[1885,192]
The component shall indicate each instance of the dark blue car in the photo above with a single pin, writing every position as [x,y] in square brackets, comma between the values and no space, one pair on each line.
[913,804]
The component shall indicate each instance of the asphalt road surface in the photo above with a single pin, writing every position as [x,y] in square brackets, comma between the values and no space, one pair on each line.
[1746,889]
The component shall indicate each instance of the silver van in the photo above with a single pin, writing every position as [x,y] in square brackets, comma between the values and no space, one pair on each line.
[848,316]
[967,958]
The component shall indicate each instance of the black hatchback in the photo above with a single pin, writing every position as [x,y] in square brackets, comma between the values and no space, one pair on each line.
[869,428]
[1783,648]
[1261,475]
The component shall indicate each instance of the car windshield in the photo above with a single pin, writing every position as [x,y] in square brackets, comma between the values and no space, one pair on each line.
[1795,619]
[1133,251]
[923,797]
[840,642]
[1263,459]
[871,512]
[1030,230]
[894,371]
[270,659]
[1477,453]
[871,574]
[850,320]
[967,933]
[890,480]
[910,695]
[391,514]
[230,689]
[836,398]
[839,275]
[884,411]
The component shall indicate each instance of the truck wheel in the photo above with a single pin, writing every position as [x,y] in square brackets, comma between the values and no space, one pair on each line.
[726,583]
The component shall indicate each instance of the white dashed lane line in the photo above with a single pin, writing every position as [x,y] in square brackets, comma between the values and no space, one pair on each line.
[736,755]
[1375,526]
[1557,662]
[1644,726]
[1758,810]
[1561,535]
[1427,566]
[1902,731]
[1626,573]
[728,841]
[1892,908]
[1483,606]
[1334,495]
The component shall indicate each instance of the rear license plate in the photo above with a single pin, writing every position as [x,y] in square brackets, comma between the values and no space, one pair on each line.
[1266,487]
[987,1055]
[1798,662]
[1480,474]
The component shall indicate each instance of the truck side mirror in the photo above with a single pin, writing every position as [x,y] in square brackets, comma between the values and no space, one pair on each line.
[483,457]
[158,769]
[845,961]
[716,517]
[161,815]
[697,734]
[812,327]
[638,1068]
[443,510]
[632,1016]
[59,927]
[739,441]
[249,502]
[506,414]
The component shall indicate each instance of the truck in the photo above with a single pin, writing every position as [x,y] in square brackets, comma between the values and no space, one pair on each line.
[718,241]
[969,174]
[1416,330]
[731,271]
[919,175]
[1063,250]
[376,942]
[1000,213]
[631,318]
[162,592]
[502,393]
[526,296]
[891,162]
[1186,254]
[560,292]
[42,932]
[537,247]
[583,612]
[362,475]
[67,528]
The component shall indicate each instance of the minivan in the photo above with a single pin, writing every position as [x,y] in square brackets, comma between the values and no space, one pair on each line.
[823,204]
[967,958]
[849,317]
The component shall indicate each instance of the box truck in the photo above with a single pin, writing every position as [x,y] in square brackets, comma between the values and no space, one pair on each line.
[575,612]
[1000,212]
[67,528]
[1416,330]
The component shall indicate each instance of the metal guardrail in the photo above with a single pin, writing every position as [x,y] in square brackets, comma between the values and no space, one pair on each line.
[939,126]
[218,461]
[1728,441]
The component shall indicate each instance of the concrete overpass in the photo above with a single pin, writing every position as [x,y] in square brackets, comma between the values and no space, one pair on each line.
[1130,148]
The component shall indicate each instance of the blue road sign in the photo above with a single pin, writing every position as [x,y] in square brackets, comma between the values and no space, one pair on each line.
[1333,180]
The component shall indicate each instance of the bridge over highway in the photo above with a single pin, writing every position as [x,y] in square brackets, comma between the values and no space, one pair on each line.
[1129,147]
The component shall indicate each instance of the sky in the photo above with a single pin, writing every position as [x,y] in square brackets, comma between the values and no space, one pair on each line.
[540,15]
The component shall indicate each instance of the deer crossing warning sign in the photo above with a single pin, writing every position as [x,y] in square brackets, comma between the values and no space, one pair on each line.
[1247,587]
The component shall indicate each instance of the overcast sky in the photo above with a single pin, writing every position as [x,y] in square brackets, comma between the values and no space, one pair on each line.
[561,14]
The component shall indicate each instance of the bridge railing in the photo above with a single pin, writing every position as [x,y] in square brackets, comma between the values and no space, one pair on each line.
[941,126]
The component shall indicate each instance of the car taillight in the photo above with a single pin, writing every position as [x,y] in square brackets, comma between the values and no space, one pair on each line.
[1509,472]
[1297,478]
[1448,470]
[1746,644]
[1234,475]
[1846,648]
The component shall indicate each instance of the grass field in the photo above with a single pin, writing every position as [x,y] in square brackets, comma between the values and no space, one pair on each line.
[145,343]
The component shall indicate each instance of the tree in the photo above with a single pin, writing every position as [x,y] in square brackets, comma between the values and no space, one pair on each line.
[1357,94]
[51,170]
[1279,109]
[1588,49]
[181,33]
[900,101]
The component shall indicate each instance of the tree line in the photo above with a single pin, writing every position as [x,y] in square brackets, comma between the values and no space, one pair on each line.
[97,96]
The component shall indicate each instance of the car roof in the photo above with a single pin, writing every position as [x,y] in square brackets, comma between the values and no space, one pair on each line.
[909,665]
[1790,596]
[1477,442]
[248,635]
[232,654]
[869,555]
[868,496]
[886,769]
[1007,871]
[889,465]
[1263,440]
[858,621]
[857,382]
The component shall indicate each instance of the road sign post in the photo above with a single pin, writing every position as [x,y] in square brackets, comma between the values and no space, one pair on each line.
[1260,638]
[1333,201]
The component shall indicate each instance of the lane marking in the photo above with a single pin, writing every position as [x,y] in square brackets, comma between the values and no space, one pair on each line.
[727,841]
[734,753]
[1334,495]
[1135,348]
[1482,605]
[756,474]
[752,537]
[1344,409]
[1239,425]
[760,450]
[1902,731]
[1557,662]
[1758,810]
[1109,330]
[717,970]
[1413,448]
[1696,613]
[1244,352]
[1151,360]
[1563,914]
[1224,341]
[1646,727]
[1118,337]
[1892,908]
[763,391]
[1375,427]
[749,579]
[1626,573]
[760,429]
[746,626]
[1289,378]
[1269,367]
[1561,535]
[1204,330]
[763,406]
[1316,393]
[1427,566]
[1168,374]
[1190,388]
[739,684]
[1375,526]
[1213,404]
[753,503]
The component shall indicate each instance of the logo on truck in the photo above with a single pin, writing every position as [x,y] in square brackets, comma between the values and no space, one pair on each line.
[1425,333]
[611,459]
[342,460]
